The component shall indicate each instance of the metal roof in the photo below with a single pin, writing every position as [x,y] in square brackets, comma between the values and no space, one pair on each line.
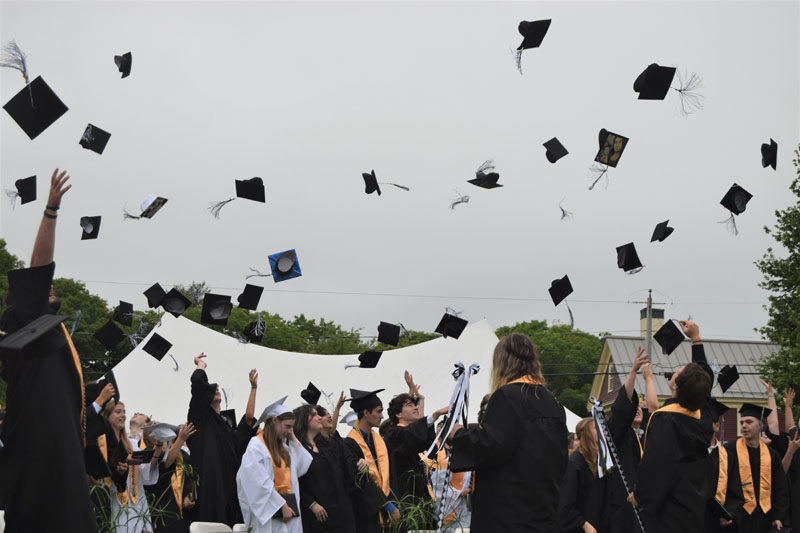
[744,354]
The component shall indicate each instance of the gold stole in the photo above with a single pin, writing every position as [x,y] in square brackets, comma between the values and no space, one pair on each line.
[671,408]
[526,379]
[177,483]
[282,474]
[746,475]
[722,478]
[77,361]
[378,472]
[103,445]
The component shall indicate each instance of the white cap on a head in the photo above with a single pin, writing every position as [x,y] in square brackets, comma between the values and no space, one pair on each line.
[272,410]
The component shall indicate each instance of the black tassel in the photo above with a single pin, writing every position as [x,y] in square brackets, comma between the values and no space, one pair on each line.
[690,99]
[599,171]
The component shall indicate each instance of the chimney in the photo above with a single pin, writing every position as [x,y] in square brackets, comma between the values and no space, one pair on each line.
[658,320]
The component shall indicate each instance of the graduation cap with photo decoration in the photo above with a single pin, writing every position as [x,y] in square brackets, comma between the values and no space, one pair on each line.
[612,145]
[661,231]
[94,139]
[25,191]
[216,309]
[628,259]
[769,155]
[250,189]
[451,325]
[175,303]
[533,33]
[554,150]
[155,295]
[123,313]
[31,332]
[735,201]
[250,297]
[149,207]
[310,394]
[109,335]
[728,375]
[388,333]
[669,337]
[284,265]
[157,346]
[371,183]
[90,227]
[368,359]
[485,177]
[124,63]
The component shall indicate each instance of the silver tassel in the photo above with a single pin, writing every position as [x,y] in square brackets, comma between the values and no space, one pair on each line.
[730,225]
[216,207]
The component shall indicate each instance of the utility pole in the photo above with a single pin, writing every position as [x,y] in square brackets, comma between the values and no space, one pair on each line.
[649,323]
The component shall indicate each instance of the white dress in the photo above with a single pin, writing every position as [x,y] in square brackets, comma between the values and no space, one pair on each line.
[134,517]
[455,505]
[255,483]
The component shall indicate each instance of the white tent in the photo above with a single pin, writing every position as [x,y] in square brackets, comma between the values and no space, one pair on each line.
[162,388]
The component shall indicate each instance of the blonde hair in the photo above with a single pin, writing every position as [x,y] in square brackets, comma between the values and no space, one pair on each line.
[587,444]
[124,434]
[515,357]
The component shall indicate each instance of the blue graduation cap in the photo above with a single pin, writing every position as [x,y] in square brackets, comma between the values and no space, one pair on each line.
[284,265]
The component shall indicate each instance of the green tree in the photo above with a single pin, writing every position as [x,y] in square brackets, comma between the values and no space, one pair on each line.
[782,279]
[564,354]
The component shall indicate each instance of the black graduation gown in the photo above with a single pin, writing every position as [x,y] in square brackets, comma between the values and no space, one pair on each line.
[368,499]
[793,478]
[673,476]
[43,483]
[217,450]
[171,520]
[406,443]
[758,522]
[619,515]
[329,482]
[519,459]
[733,496]
[580,497]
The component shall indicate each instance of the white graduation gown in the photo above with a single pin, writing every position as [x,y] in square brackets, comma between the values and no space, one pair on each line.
[453,501]
[134,518]
[255,482]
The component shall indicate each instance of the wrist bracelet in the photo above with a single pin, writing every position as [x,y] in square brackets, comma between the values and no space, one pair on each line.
[48,215]
[53,207]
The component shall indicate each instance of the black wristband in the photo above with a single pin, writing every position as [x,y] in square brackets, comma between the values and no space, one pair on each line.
[48,215]
[53,207]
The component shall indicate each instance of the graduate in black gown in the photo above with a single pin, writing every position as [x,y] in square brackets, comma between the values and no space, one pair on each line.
[582,493]
[719,494]
[518,451]
[791,458]
[43,482]
[217,448]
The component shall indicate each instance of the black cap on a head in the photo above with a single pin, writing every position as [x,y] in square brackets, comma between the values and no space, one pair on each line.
[123,313]
[155,295]
[611,147]
[735,200]
[109,335]
[26,335]
[371,183]
[451,326]
[284,265]
[388,333]
[369,359]
[310,394]
[555,150]
[90,227]
[728,375]
[157,346]
[26,189]
[533,33]
[252,189]
[756,411]
[661,232]
[560,289]
[175,302]
[669,337]
[254,331]
[94,139]
[250,297]
[628,259]
[360,400]
[35,107]
[769,155]
[216,309]
[654,82]
[717,409]
[123,63]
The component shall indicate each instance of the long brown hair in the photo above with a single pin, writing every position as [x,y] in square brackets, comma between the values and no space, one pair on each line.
[514,357]
[123,434]
[274,443]
[587,443]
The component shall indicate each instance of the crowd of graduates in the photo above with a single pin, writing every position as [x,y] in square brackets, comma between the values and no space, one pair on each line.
[72,460]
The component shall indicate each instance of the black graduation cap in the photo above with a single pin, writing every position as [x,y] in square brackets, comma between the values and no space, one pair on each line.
[388,333]
[628,259]
[252,189]
[654,82]
[756,411]
[175,302]
[611,147]
[369,359]
[360,399]
[769,155]
[26,189]
[150,206]
[254,331]
[310,394]
[94,139]
[555,150]
[96,465]
[451,326]
[15,342]
[533,33]
[90,227]
[371,183]
[109,335]
[284,265]
[123,63]
[216,309]
[230,416]
[157,346]
[717,409]
[727,377]
[250,297]
[106,379]
[735,200]
[123,313]
[484,178]
[669,337]
[35,107]
[661,232]
[560,289]
[155,295]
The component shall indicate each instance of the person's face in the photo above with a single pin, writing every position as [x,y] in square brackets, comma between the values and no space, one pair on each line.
[315,421]
[409,412]
[326,420]
[284,428]
[672,385]
[217,396]
[639,414]
[137,421]
[617,144]
[117,417]
[750,427]
[374,417]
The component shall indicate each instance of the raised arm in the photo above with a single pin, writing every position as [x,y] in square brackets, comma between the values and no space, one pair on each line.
[45,243]
[186,431]
[337,409]
[640,359]
[413,391]
[249,413]
[773,425]
[788,415]
[650,395]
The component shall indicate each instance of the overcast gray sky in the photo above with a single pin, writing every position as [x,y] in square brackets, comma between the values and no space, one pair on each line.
[310,95]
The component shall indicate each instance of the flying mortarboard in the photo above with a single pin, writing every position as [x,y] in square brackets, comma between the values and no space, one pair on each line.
[669,337]
[175,302]
[728,375]
[769,155]
[555,150]
[560,289]
[109,335]
[94,139]
[161,431]
[123,313]
[26,190]
[157,346]
[368,359]
[216,309]
[274,409]
[628,259]
[284,265]
[250,189]
[123,63]
[155,295]
[654,82]
[90,227]
[371,183]
[349,418]
[35,108]
[611,147]
[388,333]
[533,33]
[17,341]
[310,394]
[735,200]
[756,411]
[149,207]
[250,297]
[451,326]
[484,177]
[254,331]
[661,232]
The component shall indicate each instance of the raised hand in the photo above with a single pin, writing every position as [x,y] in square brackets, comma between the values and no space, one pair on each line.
[58,187]
[640,359]
[340,401]
[690,329]
[186,431]
[788,398]
[198,361]
[767,386]
[647,371]
[442,411]
[106,394]
[253,379]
